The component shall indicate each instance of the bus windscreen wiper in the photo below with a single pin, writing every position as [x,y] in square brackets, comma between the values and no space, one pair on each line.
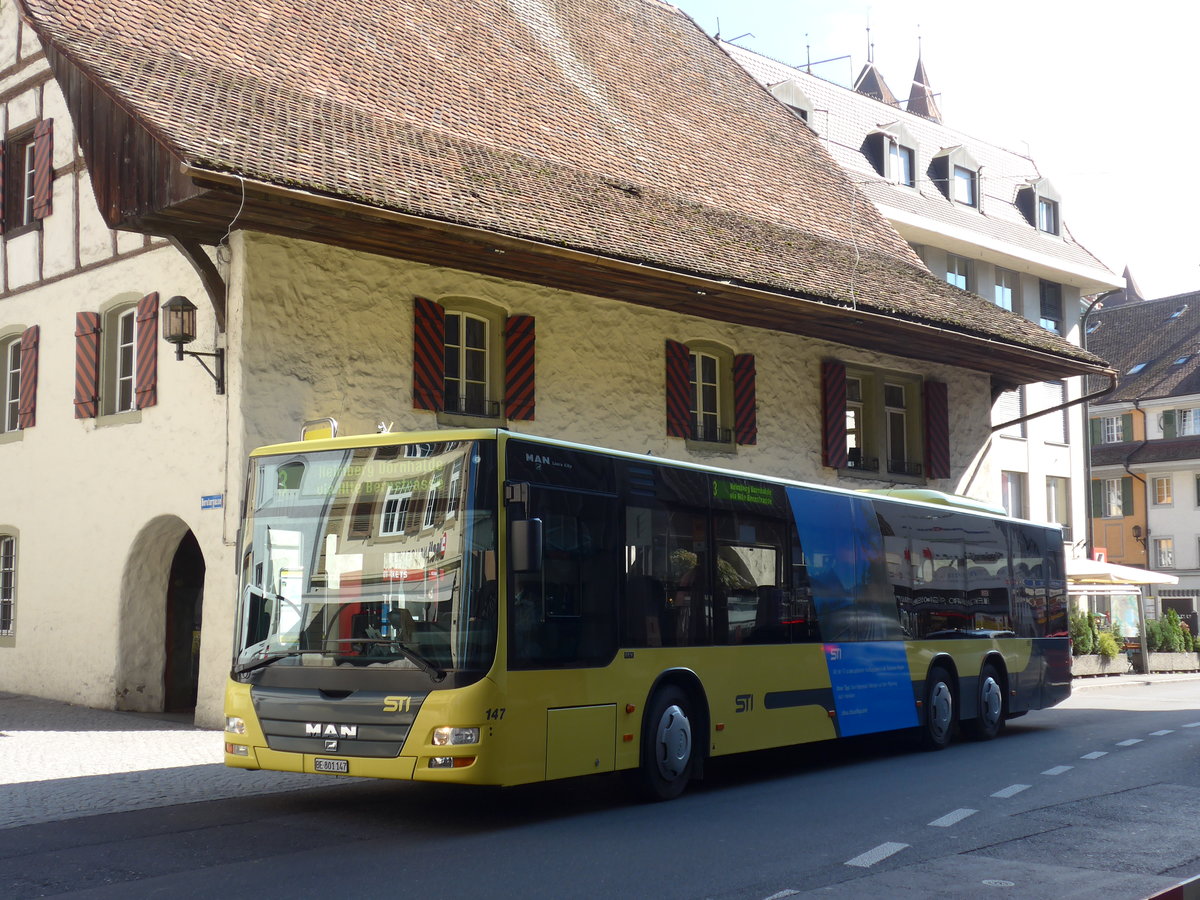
[266,660]
[426,665]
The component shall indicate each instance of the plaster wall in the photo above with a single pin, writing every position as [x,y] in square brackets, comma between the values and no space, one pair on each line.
[100,505]
[600,363]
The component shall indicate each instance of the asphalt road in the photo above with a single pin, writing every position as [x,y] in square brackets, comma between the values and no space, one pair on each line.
[1098,797]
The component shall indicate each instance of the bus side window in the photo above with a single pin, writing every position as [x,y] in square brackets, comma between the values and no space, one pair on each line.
[749,598]
[666,600]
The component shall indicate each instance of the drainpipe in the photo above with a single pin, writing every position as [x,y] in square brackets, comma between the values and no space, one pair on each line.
[1142,637]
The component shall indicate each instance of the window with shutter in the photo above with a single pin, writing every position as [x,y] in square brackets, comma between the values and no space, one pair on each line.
[710,394]
[1010,405]
[10,352]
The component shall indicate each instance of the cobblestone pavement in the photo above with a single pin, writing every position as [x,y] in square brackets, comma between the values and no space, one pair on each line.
[59,761]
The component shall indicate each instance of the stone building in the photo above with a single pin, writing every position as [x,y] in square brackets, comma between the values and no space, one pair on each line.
[576,219]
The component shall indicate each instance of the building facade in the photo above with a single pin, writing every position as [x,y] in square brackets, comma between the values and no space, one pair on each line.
[549,255]
[1145,478]
[987,220]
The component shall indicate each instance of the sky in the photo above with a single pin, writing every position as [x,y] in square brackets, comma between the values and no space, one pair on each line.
[1096,98]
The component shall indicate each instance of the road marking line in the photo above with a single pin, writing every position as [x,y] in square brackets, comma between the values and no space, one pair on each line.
[1012,790]
[1161,733]
[1129,743]
[1058,770]
[951,818]
[883,851]
[1192,725]
[787,893]
[1095,755]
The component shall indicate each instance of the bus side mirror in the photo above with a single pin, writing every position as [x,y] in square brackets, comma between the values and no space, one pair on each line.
[525,542]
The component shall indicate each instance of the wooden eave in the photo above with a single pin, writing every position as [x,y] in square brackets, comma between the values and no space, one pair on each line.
[143,185]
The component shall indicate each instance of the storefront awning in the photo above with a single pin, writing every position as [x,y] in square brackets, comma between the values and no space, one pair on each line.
[1089,571]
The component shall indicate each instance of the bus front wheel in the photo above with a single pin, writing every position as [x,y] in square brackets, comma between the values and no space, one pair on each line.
[938,726]
[668,745]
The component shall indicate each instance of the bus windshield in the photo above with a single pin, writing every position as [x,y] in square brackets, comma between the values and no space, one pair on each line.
[375,556]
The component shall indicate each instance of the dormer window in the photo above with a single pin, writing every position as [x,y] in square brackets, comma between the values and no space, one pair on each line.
[1181,360]
[1137,368]
[1179,312]
[966,186]
[956,174]
[891,150]
[1041,204]
[793,97]
[1047,215]
[902,165]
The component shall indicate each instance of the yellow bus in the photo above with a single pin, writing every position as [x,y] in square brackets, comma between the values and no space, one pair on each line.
[487,607]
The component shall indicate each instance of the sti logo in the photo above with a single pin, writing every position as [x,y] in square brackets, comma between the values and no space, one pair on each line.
[317,729]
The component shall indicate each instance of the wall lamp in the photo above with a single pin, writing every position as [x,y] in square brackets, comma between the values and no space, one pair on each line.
[179,328]
[1138,535]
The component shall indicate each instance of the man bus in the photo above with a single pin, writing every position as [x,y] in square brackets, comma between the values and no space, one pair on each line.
[493,608]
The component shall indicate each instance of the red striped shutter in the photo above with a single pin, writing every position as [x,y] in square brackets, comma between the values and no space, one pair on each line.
[146,387]
[745,404]
[679,403]
[937,430]
[833,407]
[43,168]
[429,355]
[519,394]
[27,401]
[87,364]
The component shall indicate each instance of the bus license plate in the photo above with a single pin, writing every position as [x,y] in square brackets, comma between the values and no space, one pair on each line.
[332,765]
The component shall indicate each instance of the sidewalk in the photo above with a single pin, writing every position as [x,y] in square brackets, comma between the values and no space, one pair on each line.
[59,761]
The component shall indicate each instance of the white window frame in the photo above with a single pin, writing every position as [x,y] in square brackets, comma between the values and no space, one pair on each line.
[28,182]
[964,185]
[1114,504]
[1058,500]
[1162,490]
[1006,289]
[1187,421]
[395,507]
[455,489]
[1047,215]
[462,400]
[894,415]
[1111,430]
[706,415]
[1014,495]
[902,163]
[125,362]
[11,349]
[431,499]
[958,271]
[8,583]
[1164,552]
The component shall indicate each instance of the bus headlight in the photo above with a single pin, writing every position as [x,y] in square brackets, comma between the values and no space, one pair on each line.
[446,735]
[237,749]
[235,725]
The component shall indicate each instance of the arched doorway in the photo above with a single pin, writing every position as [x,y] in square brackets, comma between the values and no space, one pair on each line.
[185,593]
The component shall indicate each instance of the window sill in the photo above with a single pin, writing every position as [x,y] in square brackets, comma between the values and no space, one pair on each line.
[460,420]
[8,640]
[710,447]
[883,477]
[35,225]
[12,437]
[113,419]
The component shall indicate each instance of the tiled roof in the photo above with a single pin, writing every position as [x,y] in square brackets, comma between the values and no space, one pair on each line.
[844,118]
[1156,333]
[1142,452]
[614,127]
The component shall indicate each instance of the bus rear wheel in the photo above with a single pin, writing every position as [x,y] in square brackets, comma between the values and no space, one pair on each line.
[668,745]
[938,726]
[990,700]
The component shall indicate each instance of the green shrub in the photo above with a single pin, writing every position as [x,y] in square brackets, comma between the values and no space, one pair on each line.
[1172,632]
[1081,634]
[1107,646]
[1154,635]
